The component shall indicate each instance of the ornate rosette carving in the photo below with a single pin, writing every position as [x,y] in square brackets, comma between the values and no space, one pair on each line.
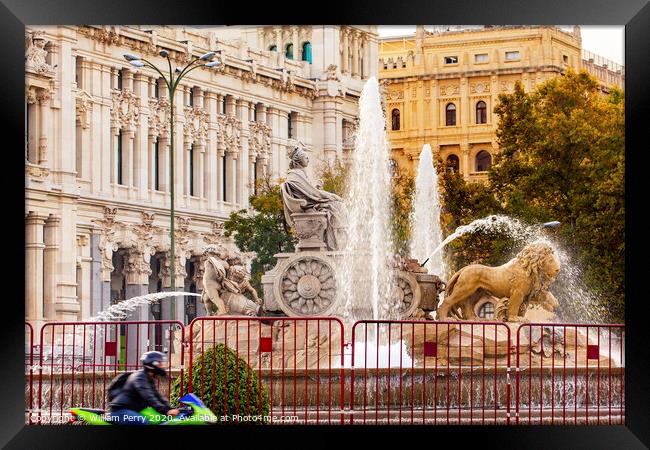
[307,286]
[406,293]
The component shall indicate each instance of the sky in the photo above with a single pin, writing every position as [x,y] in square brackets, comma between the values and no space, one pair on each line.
[606,41]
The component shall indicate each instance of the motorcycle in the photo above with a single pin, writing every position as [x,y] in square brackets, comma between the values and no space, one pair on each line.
[194,412]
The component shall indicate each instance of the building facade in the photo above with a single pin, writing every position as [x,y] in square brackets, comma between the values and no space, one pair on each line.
[441,87]
[97,149]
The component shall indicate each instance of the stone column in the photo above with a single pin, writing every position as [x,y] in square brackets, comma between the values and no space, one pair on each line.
[243,111]
[344,43]
[297,52]
[50,272]
[34,247]
[355,54]
[136,271]
[84,271]
[261,113]
[100,290]
[45,111]
[329,147]
[465,162]
[231,170]
[278,39]
[115,136]
[211,153]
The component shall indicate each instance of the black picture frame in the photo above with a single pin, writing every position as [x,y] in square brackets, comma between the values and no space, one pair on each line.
[634,14]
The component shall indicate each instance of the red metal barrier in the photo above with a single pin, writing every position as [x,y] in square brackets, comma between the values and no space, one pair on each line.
[78,360]
[570,374]
[29,363]
[405,372]
[432,372]
[298,360]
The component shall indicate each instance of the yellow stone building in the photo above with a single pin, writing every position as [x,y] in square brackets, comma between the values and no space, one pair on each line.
[441,87]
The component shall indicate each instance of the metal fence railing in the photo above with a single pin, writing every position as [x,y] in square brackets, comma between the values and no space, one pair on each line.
[314,370]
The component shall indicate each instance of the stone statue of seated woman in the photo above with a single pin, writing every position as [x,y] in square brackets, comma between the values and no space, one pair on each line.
[299,195]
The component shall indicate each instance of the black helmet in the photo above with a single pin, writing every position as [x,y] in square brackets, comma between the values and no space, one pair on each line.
[154,361]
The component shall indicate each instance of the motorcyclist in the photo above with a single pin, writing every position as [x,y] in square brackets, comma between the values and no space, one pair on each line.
[139,392]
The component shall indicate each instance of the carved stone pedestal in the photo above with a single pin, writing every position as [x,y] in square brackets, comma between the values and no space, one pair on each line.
[310,228]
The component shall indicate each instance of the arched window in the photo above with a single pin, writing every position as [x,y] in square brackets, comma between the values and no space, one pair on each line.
[450,118]
[483,161]
[273,48]
[395,119]
[453,164]
[289,52]
[486,310]
[481,112]
[306,52]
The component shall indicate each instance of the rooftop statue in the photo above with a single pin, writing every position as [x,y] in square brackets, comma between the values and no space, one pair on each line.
[299,195]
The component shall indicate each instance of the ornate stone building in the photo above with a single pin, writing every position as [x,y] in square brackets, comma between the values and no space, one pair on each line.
[441,87]
[97,149]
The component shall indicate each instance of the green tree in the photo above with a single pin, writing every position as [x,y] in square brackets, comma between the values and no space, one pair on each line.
[562,158]
[226,384]
[403,192]
[463,202]
[261,229]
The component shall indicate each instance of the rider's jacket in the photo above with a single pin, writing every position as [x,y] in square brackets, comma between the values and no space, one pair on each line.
[138,393]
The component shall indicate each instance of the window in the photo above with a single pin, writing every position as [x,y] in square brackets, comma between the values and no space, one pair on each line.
[483,161]
[486,310]
[565,58]
[451,59]
[156,88]
[306,52]
[78,75]
[119,80]
[450,115]
[255,113]
[273,48]
[453,164]
[27,131]
[395,118]
[156,166]
[289,126]
[119,157]
[481,58]
[223,105]
[512,56]
[255,177]
[191,97]
[191,164]
[223,177]
[289,51]
[481,112]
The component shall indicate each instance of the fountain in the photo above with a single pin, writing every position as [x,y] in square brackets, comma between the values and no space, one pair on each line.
[426,231]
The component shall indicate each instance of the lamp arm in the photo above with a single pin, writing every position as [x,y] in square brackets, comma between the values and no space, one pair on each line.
[185,69]
[147,63]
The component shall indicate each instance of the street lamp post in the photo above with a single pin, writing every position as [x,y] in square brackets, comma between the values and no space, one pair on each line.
[172,81]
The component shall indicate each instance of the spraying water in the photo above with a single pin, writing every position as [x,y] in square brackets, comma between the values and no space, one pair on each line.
[365,275]
[578,303]
[121,310]
[425,216]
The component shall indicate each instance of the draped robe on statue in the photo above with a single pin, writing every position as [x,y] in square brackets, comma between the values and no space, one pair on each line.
[299,196]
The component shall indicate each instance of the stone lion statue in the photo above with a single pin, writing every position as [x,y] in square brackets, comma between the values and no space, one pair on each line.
[520,281]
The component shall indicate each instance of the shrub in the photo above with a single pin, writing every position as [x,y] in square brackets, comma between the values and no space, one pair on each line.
[244,394]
